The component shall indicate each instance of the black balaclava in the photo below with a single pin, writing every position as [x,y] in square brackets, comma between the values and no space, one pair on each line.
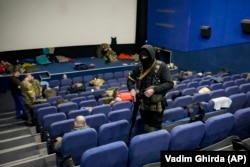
[149,51]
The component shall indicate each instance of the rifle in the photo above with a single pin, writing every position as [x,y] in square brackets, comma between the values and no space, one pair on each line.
[134,112]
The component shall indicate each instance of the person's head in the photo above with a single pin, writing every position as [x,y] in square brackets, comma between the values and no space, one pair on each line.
[65,76]
[248,75]
[28,77]
[17,74]
[204,90]
[147,55]
[80,121]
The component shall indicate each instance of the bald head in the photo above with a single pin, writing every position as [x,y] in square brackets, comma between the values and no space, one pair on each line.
[80,121]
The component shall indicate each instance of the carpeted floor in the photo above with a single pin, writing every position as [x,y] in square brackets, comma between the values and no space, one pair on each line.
[69,66]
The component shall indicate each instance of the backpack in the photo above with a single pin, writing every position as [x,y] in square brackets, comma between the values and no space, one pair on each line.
[125,96]
[81,66]
[196,112]
[76,88]
[2,69]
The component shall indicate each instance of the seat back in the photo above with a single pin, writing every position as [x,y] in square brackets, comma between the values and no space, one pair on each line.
[90,97]
[231,90]
[247,104]
[99,93]
[117,115]
[114,84]
[77,80]
[204,82]
[109,81]
[194,132]
[104,109]
[75,113]
[66,82]
[193,84]
[75,143]
[201,97]
[238,101]
[226,78]
[121,105]
[228,83]
[67,107]
[77,100]
[113,131]
[51,118]
[122,81]
[53,100]
[216,86]
[242,124]
[170,94]
[59,128]
[116,154]
[87,78]
[235,76]
[217,128]
[70,96]
[35,107]
[95,121]
[86,93]
[182,101]
[217,93]
[141,152]
[180,86]
[41,112]
[240,81]
[118,74]
[244,88]
[173,114]
[88,103]
[186,81]
[189,91]
[54,83]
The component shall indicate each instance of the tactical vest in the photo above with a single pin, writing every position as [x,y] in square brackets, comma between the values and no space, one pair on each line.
[146,104]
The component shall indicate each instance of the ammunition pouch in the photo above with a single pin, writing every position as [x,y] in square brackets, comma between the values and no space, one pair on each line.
[155,98]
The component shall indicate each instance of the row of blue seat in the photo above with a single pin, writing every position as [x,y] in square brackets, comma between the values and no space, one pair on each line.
[210,84]
[140,152]
[117,76]
[93,120]
[231,92]
[71,109]
[224,77]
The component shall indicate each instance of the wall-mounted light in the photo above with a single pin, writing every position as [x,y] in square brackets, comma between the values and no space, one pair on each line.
[205,31]
[245,26]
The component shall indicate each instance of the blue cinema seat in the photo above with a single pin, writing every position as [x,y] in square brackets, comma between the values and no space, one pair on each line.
[114,154]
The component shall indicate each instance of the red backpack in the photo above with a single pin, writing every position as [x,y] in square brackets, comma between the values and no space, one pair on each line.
[125,96]
[2,69]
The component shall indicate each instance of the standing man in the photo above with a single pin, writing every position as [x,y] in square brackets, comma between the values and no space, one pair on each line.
[29,97]
[15,83]
[152,79]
